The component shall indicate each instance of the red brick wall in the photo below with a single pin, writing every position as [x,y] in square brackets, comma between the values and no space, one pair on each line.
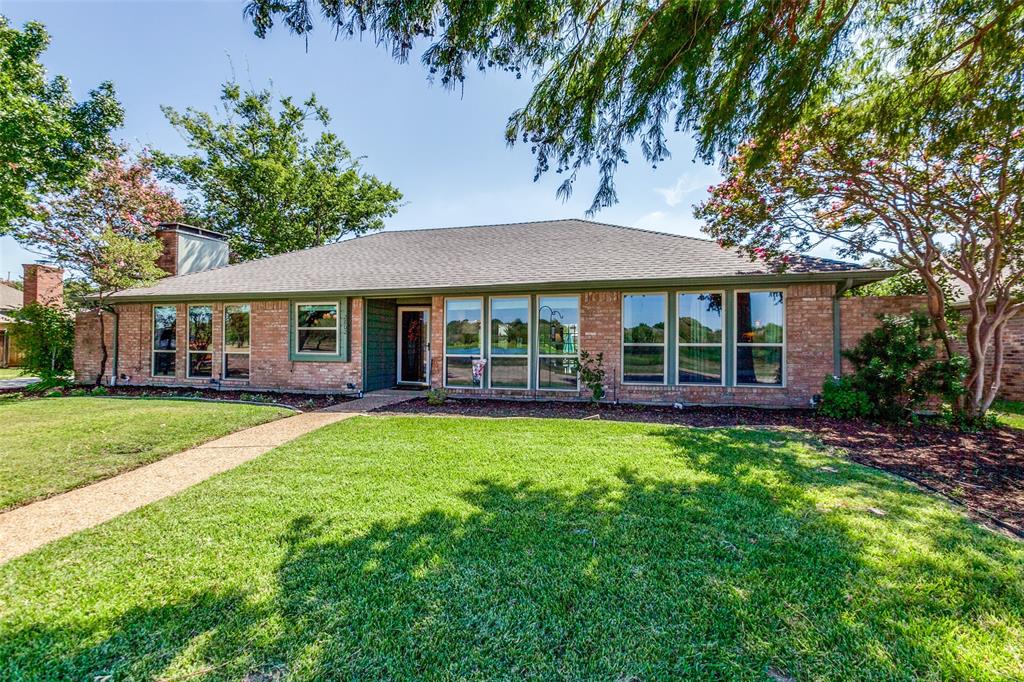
[43,284]
[87,345]
[808,349]
[1013,359]
[860,315]
[269,364]
[168,260]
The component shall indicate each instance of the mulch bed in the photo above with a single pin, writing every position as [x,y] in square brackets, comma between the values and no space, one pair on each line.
[983,471]
[300,401]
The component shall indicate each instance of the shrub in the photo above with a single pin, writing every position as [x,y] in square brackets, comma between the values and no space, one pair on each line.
[48,385]
[591,373]
[840,399]
[437,396]
[55,393]
[99,390]
[78,392]
[896,367]
[46,337]
[250,397]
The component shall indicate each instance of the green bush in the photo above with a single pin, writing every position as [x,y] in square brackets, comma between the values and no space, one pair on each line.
[55,393]
[840,399]
[591,373]
[437,397]
[78,392]
[897,370]
[48,385]
[99,390]
[46,337]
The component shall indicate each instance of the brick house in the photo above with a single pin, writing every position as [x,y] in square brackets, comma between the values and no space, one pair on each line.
[40,284]
[500,310]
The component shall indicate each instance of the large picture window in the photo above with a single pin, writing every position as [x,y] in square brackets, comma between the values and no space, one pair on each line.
[510,342]
[700,344]
[558,329]
[643,338]
[236,341]
[760,338]
[463,342]
[165,342]
[200,341]
[316,328]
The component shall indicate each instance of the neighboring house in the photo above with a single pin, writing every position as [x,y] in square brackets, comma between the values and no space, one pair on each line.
[492,310]
[10,300]
[41,284]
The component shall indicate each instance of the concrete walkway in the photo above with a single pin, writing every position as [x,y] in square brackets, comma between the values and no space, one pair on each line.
[18,382]
[26,528]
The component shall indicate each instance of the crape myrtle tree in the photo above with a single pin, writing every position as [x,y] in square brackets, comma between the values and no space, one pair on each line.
[48,141]
[943,211]
[255,175]
[104,230]
[612,75]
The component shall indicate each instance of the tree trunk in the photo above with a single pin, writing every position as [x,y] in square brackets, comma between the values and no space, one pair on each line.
[103,348]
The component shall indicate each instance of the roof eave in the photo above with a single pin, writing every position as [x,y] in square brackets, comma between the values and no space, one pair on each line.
[846,278]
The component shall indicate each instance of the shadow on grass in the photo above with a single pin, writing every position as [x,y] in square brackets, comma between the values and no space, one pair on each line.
[737,574]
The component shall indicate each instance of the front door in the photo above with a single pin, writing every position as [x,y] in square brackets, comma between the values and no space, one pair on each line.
[413,345]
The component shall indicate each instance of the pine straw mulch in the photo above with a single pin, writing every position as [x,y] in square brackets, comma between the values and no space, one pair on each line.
[983,471]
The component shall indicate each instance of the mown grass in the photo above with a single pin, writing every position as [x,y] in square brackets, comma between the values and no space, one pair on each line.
[433,548]
[11,373]
[53,445]
[1010,413]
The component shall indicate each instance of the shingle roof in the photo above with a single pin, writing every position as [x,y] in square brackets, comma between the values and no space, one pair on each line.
[10,298]
[547,254]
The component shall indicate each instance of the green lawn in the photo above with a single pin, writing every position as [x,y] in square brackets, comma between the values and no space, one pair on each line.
[10,373]
[1010,413]
[411,548]
[52,445]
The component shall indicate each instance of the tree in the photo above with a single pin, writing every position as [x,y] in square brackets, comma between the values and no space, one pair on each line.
[104,230]
[46,337]
[48,141]
[941,211]
[256,177]
[610,74]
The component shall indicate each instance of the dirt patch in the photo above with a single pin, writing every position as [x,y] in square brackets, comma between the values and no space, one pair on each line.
[301,401]
[983,471]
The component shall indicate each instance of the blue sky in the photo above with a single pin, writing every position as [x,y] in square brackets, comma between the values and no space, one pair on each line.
[444,150]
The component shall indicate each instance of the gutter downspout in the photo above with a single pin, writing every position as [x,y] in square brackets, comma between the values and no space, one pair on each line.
[837,328]
[113,371]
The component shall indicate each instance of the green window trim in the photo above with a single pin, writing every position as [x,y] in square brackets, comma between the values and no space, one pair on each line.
[344,325]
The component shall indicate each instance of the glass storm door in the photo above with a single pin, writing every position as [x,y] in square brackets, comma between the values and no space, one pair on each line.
[413,345]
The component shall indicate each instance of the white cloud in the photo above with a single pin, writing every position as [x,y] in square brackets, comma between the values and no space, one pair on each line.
[668,221]
[685,185]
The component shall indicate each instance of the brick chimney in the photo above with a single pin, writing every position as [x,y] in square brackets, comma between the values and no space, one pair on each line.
[190,249]
[43,284]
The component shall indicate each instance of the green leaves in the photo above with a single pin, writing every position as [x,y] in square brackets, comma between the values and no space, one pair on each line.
[256,176]
[48,141]
[46,337]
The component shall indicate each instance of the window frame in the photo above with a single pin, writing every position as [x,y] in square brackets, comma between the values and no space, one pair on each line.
[152,341]
[224,344]
[721,344]
[736,338]
[484,321]
[623,344]
[188,334]
[490,341]
[579,335]
[337,329]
